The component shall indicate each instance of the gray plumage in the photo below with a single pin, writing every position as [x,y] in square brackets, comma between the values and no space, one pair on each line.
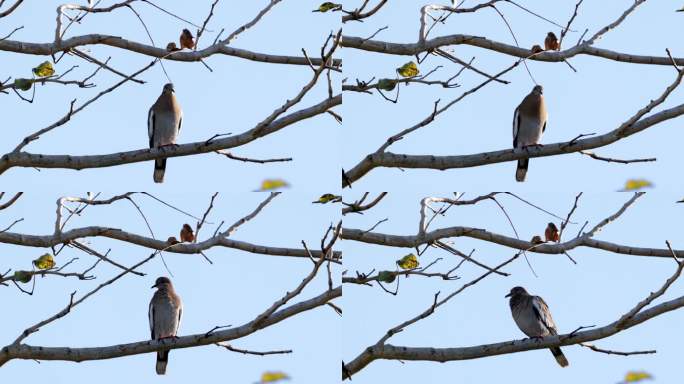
[529,122]
[533,317]
[165,314]
[164,122]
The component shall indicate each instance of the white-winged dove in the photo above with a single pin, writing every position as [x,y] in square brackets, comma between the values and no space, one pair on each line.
[165,314]
[533,317]
[529,122]
[163,125]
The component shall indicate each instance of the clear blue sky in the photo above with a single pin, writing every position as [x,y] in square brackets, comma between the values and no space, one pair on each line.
[598,98]
[233,98]
[596,291]
[235,289]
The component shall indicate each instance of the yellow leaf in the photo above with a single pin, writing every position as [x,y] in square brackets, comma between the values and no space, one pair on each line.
[409,69]
[326,198]
[386,84]
[44,69]
[633,377]
[44,262]
[386,276]
[271,184]
[328,6]
[22,276]
[23,84]
[408,262]
[272,377]
[636,184]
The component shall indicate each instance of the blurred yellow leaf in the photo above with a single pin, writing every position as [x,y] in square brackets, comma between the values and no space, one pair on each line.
[22,276]
[44,262]
[636,184]
[635,376]
[386,276]
[386,84]
[271,184]
[328,6]
[23,84]
[44,69]
[408,262]
[326,198]
[409,69]
[272,377]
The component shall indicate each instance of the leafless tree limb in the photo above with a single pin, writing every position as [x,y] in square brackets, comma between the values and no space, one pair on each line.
[23,351]
[11,201]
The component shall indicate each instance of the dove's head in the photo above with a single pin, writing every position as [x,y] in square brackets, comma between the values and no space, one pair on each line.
[517,291]
[168,88]
[162,282]
[538,90]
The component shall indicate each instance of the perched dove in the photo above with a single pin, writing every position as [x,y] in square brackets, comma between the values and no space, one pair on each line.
[533,317]
[163,125]
[165,313]
[529,122]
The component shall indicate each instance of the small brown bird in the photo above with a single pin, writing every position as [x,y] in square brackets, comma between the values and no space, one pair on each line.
[551,233]
[535,49]
[186,234]
[172,240]
[536,240]
[172,47]
[187,40]
[551,42]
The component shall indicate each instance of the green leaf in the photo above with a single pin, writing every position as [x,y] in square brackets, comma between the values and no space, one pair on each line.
[44,69]
[44,262]
[409,69]
[328,197]
[22,276]
[329,6]
[386,84]
[386,276]
[409,261]
[23,84]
